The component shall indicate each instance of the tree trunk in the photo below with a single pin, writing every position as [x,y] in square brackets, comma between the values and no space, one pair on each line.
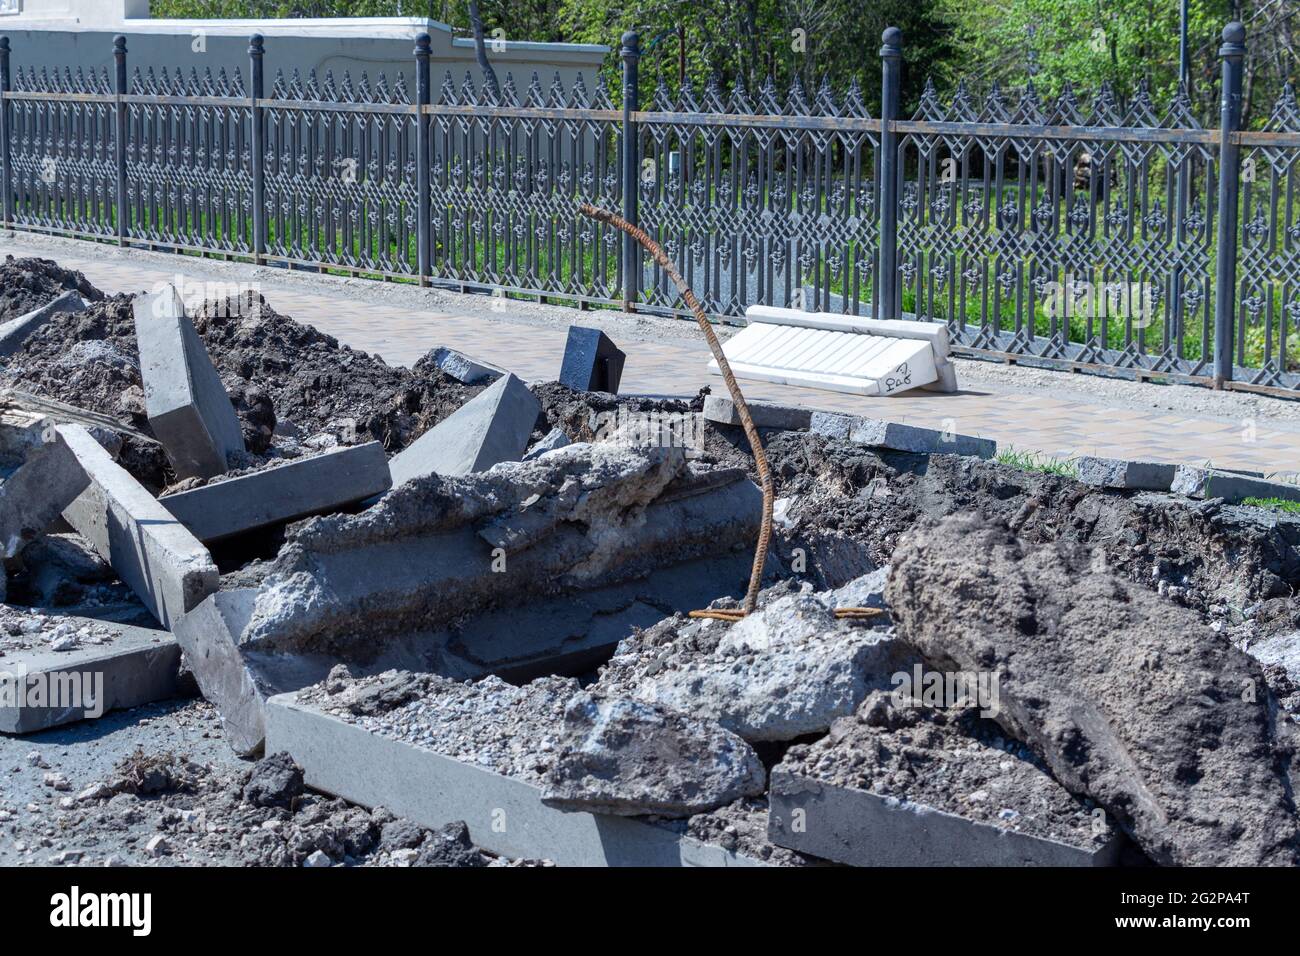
[480,51]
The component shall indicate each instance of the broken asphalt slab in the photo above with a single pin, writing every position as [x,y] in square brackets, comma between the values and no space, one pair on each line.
[186,403]
[316,484]
[153,553]
[490,428]
[1130,699]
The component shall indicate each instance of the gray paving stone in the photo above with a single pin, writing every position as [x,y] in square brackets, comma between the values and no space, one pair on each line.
[1232,487]
[854,826]
[721,409]
[492,427]
[315,485]
[1125,475]
[139,666]
[898,437]
[156,555]
[592,363]
[187,405]
[16,331]
[463,368]
[33,497]
[505,815]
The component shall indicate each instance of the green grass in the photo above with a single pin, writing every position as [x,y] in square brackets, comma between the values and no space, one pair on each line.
[1035,461]
[1274,504]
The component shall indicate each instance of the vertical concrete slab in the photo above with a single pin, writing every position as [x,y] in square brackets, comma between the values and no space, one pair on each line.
[156,555]
[17,331]
[34,496]
[592,363]
[492,427]
[187,405]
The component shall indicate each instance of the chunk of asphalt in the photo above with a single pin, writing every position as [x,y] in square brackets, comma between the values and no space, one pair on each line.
[33,497]
[15,332]
[1131,700]
[318,484]
[490,428]
[1124,475]
[629,758]
[592,362]
[187,405]
[153,553]
[42,688]
[898,437]
[555,438]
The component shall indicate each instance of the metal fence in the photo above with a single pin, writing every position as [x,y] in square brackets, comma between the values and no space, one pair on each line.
[1124,238]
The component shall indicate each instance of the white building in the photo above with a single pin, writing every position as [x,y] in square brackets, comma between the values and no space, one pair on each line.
[79,33]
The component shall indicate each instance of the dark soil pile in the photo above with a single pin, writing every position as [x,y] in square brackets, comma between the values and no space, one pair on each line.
[28,284]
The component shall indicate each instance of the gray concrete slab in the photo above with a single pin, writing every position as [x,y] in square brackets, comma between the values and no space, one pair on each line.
[1118,474]
[722,410]
[504,815]
[187,405]
[899,437]
[865,829]
[464,369]
[295,489]
[33,497]
[1232,487]
[16,331]
[43,688]
[492,427]
[592,362]
[158,558]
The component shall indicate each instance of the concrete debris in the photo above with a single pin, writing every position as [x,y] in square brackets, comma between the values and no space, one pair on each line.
[1125,475]
[381,588]
[722,410]
[462,368]
[313,484]
[592,363]
[628,758]
[1233,487]
[14,332]
[491,428]
[786,671]
[902,784]
[898,437]
[1127,697]
[34,495]
[166,566]
[187,405]
[555,438]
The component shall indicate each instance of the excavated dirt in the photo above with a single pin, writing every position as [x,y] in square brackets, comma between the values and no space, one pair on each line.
[952,760]
[1132,700]
[28,284]
[287,381]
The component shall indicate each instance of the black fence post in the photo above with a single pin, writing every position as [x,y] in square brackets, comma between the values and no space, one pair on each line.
[1232,52]
[119,107]
[891,57]
[257,147]
[423,230]
[631,53]
[6,161]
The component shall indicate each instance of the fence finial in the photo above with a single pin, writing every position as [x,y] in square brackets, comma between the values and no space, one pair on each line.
[256,45]
[891,42]
[423,45]
[1234,39]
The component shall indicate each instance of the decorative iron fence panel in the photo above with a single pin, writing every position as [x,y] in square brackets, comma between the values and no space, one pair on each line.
[61,146]
[1127,239]
[764,202]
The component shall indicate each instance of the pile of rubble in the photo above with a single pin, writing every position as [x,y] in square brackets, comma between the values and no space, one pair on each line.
[463,598]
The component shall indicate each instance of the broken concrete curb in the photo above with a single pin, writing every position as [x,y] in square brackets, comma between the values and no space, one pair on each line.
[15,332]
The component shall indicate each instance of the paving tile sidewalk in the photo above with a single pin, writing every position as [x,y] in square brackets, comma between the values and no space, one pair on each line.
[1027,420]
